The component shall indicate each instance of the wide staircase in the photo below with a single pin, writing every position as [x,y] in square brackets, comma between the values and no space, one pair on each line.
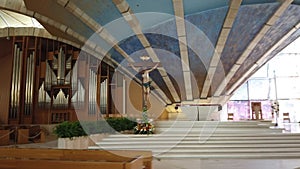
[210,139]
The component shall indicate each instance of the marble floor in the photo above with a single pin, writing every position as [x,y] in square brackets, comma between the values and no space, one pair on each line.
[234,163]
[216,163]
[227,164]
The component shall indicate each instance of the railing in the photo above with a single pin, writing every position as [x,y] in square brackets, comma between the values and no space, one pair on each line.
[21,134]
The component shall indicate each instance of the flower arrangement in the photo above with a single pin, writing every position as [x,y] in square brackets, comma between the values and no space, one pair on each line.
[275,107]
[275,110]
[145,125]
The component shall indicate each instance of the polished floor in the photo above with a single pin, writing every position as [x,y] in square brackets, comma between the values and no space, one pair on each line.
[235,163]
[228,164]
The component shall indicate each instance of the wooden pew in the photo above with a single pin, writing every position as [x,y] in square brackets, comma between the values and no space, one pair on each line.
[83,158]
[61,164]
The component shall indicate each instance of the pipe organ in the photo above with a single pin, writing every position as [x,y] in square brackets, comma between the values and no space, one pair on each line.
[51,84]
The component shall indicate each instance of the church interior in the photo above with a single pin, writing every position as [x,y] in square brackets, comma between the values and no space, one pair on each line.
[173,83]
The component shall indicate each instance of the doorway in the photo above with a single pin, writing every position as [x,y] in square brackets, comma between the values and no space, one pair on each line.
[256,111]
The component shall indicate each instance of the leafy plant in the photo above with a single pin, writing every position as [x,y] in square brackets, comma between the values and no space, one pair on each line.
[109,125]
[69,130]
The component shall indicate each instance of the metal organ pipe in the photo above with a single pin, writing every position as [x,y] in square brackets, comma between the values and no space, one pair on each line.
[48,75]
[16,82]
[61,67]
[32,80]
[81,94]
[92,92]
[12,101]
[60,101]
[19,77]
[29,84]
[16,104]
[42,93]
[74,75]
[103,96]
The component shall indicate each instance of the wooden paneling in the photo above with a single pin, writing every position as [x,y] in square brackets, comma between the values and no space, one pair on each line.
[6,60]
[43,70]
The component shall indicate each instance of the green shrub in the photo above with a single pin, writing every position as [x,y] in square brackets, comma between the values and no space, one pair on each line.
[121,124]
[69,129]
[109,125]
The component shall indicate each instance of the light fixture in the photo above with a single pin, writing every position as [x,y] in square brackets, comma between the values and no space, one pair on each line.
[144,58]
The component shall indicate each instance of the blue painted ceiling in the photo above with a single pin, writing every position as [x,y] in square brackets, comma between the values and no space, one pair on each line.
[204,22]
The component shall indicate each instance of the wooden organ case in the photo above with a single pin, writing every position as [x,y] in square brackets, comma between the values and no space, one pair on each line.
[41,86]
[50,83]
[59,85]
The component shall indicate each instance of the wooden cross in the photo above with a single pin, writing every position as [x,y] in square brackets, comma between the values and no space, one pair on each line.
[145,68]
[144,65]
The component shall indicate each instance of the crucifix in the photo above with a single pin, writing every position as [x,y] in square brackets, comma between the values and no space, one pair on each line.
[145,67]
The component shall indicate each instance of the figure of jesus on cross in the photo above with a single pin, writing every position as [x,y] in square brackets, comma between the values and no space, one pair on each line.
[145,68]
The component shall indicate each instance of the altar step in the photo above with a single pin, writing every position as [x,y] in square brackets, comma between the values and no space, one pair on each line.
[202,127]
[238,141]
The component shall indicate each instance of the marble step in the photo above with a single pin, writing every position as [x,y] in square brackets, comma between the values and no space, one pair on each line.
[281,156]
[197,138]
[217,130]
[212,126]
[198,146]
[184,142]
[223,150]
[204,134]
[213,123]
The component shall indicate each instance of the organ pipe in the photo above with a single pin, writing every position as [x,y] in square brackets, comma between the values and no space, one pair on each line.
[61,67]
[69,63]
[42,97]
[61,100]
[103,96]
[92,92]
[67,80]
[29,84]
[16,82]
[81,94]
[74,76]
[48,81]
[12,102]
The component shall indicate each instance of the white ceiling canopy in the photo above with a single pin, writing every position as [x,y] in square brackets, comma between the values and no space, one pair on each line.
[12,19]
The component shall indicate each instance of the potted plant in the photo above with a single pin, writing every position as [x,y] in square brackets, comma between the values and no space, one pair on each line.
[144,126]
[71,135]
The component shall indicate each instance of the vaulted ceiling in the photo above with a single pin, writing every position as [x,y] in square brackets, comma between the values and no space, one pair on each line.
[207,48]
